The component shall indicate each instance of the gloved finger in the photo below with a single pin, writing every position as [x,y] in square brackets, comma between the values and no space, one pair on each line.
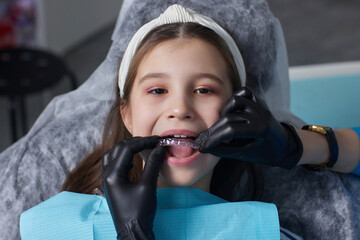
[234,104]
[226,134]
[137,144]
[124,152]
[114,152]
[244,153]
[126,149]
[230,118]
[241,126]
[246,93]
[109,157]
[106,159]
[256,109]
[250,95]
[239,104]
[153,165]
[234,150]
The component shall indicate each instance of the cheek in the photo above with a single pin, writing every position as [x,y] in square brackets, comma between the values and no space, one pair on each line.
[217,106]
[211,112]
[143,119]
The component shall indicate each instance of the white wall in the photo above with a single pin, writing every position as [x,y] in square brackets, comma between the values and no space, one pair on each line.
[65,23]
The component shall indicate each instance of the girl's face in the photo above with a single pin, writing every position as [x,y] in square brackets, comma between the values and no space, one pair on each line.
[179,89]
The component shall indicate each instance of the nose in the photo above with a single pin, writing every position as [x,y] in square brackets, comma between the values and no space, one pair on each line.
[181,108]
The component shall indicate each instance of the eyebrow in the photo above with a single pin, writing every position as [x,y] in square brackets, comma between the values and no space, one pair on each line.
[210,76]
[152,75]
[195,76]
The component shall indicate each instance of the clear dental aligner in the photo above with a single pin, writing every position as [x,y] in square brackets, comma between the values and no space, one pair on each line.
[179,142]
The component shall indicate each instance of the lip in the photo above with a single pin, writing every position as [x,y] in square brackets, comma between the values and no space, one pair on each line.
[181,162]
[179,132]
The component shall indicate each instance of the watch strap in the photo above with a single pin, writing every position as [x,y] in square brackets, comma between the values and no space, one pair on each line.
[333,146]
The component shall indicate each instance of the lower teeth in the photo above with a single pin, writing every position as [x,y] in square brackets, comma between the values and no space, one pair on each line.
[178,142]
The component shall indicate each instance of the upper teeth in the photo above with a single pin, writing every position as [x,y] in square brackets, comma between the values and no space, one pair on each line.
[180,136]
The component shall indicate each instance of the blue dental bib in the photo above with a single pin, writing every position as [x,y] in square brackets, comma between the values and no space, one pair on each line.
[182,213]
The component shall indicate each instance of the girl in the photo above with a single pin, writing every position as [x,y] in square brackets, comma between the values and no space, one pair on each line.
[174,86]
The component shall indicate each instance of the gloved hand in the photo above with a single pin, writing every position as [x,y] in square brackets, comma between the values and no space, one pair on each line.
[249,132]
[132,205]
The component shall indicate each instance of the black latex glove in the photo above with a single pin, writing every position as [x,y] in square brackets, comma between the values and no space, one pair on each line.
[132,205]
[249,132]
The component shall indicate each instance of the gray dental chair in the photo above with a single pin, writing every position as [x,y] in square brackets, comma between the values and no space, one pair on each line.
[321,205]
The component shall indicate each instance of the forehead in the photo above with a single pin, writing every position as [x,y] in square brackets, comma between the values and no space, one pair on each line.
[184,51]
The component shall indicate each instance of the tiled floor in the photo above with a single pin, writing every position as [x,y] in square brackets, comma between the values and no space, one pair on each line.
[319,31]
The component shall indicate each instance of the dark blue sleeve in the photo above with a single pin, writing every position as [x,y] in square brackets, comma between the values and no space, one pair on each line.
[357,169]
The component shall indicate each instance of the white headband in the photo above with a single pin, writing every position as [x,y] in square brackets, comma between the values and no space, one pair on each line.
[175,14]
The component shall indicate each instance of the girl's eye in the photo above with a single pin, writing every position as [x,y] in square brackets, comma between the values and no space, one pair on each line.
[157,91]
[203,91]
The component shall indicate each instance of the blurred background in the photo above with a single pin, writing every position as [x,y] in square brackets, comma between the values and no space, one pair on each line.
[79,33]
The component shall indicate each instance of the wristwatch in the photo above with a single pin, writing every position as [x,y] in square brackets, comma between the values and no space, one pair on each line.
[333,146]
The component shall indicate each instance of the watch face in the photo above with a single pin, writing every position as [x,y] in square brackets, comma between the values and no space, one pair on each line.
[318,129]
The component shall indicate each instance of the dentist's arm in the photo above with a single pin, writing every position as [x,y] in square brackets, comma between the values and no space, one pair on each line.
[316,149]
[247,131]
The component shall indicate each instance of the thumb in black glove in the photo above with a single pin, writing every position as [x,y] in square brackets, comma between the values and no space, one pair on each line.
[132,205]
[247,131]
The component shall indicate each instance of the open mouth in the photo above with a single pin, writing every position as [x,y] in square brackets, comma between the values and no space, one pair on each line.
[179,146]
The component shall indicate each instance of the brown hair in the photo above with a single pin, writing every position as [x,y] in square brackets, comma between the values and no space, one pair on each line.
[87,175]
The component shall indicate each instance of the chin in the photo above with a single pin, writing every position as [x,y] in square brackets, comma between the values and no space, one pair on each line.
[179,179]
[195,174]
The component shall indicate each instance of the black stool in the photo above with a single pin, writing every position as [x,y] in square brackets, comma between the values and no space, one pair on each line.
[24,71]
